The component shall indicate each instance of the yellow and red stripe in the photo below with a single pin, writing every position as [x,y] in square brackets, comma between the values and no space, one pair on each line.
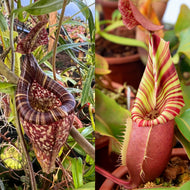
[159,90]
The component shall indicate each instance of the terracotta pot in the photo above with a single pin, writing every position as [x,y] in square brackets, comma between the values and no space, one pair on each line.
[122,170]
[127,69]
[108,8]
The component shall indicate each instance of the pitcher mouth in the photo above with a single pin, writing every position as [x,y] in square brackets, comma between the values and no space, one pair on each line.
[159,97]
[152,115]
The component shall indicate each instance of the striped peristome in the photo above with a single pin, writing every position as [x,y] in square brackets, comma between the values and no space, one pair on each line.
[46,112]
[31,72]
[159,97]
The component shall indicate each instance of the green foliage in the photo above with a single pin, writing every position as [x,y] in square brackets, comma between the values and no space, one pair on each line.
[20,15]
[77,172]
[183,123]
[12,158]
[88,186]
[184,45]
[110,116]
[67,48]
[122,40]
[101,66]
[87,91]
[41,7]
[183,19]
[3,23]
[114,38]
[8,88]
[183,140]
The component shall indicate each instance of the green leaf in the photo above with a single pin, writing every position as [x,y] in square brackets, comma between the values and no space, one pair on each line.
[186,95]
[7,62]
[170,36]
[20,15]
[183,141]
[183,20]
[77,172]
[102,67]
[87,131]
[114,25]
[50,74]
[90,171]
[184,45]
[110,116]
[91,27]
[3,23]
[7,88]
[71,53]
[41,7]
[185,186]
[87,85]
[83,8]
[183,123]
[63,48]
[122,40]
[97,23]
[88,186]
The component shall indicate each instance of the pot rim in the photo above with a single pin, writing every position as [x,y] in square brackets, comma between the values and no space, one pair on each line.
[123,60]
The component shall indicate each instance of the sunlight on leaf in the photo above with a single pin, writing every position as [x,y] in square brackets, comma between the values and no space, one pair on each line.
[183,19]
[184,45]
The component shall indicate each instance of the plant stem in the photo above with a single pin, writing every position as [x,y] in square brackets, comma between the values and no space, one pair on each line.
[24,149]
[7,5]
[91,116]
[7,73]
[57,38]
[11,37]
[87,147]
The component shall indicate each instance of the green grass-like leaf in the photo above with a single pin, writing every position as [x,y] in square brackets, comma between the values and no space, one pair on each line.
[3,23]
[122,40]
[183,124]
[77,172]
[87,86]
[183,141]
[41,7]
